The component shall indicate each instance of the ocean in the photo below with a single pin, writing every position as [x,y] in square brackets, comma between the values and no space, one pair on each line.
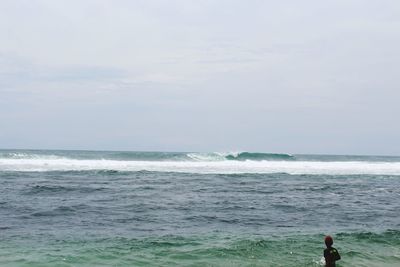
[110,208]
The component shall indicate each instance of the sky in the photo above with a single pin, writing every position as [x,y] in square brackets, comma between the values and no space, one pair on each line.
[211,75]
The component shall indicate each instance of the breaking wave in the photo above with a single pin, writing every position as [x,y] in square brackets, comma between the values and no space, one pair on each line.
[27,155]
[240,156]
[142,156]
[217,167]
[259,156]
[218,163]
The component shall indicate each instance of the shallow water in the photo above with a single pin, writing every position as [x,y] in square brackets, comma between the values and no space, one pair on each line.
[90,216]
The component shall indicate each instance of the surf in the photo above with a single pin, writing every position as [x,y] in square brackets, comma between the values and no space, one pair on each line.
[239,156]
[204,167]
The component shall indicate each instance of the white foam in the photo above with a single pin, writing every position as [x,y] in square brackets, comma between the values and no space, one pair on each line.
[223,167]
[15,155]
[206,156]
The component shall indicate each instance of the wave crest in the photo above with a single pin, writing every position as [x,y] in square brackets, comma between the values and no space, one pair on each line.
[240,156]
[259,156]
[25,155]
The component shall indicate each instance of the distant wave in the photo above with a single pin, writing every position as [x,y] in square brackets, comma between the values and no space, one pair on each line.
[143,156]
[240,156]
[217,162]
[27,155]
[259,156]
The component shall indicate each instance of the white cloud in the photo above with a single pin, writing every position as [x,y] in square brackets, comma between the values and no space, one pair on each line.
[293,76]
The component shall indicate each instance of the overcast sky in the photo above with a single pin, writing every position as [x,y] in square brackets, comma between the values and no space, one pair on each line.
[205,75]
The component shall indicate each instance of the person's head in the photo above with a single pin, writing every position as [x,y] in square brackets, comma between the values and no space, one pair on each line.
[328,241]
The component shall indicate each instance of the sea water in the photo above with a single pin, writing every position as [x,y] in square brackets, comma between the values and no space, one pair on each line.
[104,208]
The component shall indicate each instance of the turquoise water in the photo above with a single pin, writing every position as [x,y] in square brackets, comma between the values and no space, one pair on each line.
[86,208]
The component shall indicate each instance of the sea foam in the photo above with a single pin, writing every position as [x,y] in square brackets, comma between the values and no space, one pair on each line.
[217,167]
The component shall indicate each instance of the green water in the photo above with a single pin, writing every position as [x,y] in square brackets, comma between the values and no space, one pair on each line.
[74,208]
[361,249]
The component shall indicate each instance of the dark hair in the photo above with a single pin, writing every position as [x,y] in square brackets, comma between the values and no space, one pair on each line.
[328,241]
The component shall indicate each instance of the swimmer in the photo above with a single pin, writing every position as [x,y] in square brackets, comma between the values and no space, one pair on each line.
[331,254]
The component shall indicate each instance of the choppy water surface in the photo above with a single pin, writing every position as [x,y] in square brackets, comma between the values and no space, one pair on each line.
[75,208]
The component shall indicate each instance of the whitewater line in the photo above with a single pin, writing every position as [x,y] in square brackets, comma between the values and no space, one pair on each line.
[217,167]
